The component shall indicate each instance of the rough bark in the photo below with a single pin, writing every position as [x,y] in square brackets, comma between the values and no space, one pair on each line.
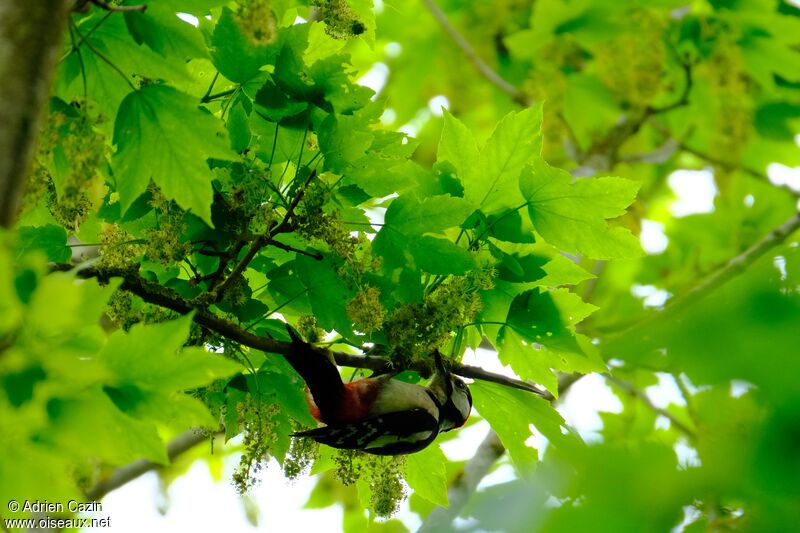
[30,38]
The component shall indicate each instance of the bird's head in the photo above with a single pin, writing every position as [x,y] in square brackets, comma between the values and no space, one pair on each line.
[453,395]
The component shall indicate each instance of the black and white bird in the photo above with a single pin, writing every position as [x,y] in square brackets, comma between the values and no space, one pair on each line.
[378,415]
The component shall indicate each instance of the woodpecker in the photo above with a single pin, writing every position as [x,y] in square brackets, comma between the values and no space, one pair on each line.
[378,415]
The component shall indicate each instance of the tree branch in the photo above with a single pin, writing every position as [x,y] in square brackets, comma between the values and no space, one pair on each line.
[262,240]
[30,39]
[154,293]
[645,399]
[473,57]
[119,477]
[716,279]
[738,264]
[672,145]
[489,451]
[729,166]
[607,149]
[225,284]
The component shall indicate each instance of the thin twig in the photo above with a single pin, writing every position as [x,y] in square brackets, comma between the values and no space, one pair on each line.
[645,399]
[493,77]
[80,63]
[682,100]
[659,155]
[716,279]
[210,97]
[476,372]
[261,241]
[84,37]
[687,397]
[106,60]
[181,444]
[210,88]
[225,284]
[738,264]
[278,244]
[729,166]
[710,283]
[616,138]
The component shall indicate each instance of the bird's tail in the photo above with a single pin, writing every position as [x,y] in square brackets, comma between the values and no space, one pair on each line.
[320,373]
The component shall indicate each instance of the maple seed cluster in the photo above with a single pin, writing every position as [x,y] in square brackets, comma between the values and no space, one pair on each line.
[257,21]
[164,243]
[631,65]
[256,421]
[118,249]
[417,329]
[733,117]
[301,455]
[383,476]
[309,329]
[341,22]
[315,224]
[348,466]
[67,166]
[366,311]
[386,484]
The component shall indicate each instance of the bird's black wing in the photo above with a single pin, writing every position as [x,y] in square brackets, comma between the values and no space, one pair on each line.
[388,434]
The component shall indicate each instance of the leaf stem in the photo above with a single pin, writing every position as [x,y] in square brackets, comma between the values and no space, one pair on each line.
[210,88]
[99,54]
[77,50]
[221,94]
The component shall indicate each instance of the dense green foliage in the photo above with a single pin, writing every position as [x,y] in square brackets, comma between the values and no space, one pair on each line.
[196,185]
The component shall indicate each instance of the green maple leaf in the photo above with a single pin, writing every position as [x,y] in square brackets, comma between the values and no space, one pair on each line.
[401,240]
[161,30]
[457,147]
[50,239]
[572,216]
[510,412]
[234,55]
[151,358]
[427,475]
[162,135]
[490,176]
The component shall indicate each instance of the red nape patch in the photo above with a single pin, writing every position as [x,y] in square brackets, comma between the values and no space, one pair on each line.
[357,400]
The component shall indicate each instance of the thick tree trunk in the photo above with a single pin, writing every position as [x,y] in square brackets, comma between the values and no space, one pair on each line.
[30,39]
